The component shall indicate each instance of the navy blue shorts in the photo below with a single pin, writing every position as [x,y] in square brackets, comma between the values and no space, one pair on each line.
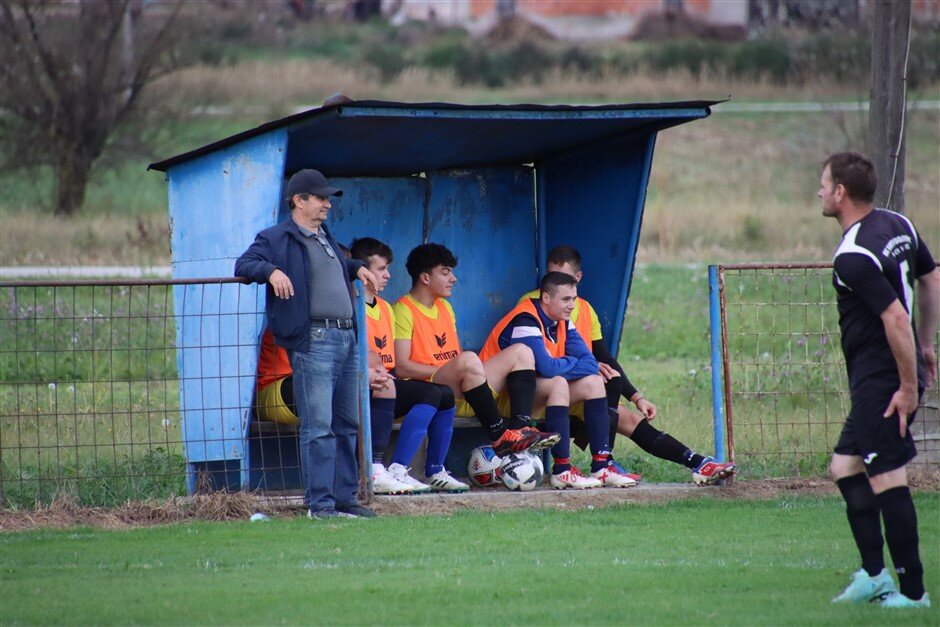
[874,438]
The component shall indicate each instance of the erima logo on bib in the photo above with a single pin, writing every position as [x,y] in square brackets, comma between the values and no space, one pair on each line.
[380,342]
[441,340]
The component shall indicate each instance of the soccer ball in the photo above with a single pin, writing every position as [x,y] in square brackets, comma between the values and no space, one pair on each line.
[522,471]
[483,467]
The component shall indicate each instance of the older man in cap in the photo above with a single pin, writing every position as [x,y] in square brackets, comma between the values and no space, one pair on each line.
[309,307]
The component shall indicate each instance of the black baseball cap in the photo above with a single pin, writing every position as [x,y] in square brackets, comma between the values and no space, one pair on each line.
[311,182]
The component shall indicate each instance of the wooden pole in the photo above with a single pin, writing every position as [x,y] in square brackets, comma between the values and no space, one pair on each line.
[890,43]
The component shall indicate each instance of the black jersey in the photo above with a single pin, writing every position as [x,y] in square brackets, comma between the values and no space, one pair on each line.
[877,262]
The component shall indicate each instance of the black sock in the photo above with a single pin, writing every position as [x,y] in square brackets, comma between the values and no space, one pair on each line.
[516,422]
[861,508]
[664,446]
[484,407]
[556,419]
[287,394]
[614,421]
[597,422]
[521,387]
[383,415]
[613,389]
[900,518]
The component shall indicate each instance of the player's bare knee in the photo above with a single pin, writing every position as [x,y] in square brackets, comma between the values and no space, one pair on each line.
[885,481]
[522,357]
[594,386]
[469,364]
[843,466]
[627,421]
[558,393]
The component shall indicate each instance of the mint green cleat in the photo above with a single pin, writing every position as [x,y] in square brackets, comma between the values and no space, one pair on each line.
[898,600]
[866,589]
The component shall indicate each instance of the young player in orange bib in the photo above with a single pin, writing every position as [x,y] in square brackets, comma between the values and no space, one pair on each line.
[427,348]
[427,408]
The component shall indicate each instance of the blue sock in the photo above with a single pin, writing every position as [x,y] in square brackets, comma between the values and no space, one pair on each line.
[414,426]
[597,422]
[556,419]
[439,433]
[383,414]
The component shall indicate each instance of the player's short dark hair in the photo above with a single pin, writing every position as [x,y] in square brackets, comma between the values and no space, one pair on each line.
[855,173]
[365,247]
[560,255]
[553,280]
[426,257]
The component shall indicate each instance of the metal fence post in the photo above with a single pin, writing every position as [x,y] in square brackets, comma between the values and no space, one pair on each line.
[718,407]
[365,414]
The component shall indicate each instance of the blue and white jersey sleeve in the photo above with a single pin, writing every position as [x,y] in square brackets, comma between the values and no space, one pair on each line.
[575,347]
[525,330]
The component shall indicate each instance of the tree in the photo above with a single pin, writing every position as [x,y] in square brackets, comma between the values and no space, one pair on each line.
[890,41]
[72,73]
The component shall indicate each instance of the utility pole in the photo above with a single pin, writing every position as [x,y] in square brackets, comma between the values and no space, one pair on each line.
[890,43]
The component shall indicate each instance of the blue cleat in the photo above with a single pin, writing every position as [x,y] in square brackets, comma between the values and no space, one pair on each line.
[898,600]
[866,589]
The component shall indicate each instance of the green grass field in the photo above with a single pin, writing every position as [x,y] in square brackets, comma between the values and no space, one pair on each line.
[692,562]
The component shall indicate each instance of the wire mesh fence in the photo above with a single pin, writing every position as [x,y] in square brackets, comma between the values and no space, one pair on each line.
[90,388]
[126,390]
[786,389]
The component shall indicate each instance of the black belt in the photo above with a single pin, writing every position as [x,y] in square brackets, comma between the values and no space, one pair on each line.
[332,323]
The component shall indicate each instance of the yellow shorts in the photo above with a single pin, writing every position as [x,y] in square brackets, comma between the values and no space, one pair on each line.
[538,413]
[269,405]
[502,403]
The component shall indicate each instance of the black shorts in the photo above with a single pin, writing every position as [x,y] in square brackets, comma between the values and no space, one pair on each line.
[411,392]
[874,438]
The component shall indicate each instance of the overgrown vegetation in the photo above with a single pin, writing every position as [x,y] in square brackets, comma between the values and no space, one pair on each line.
[525,53]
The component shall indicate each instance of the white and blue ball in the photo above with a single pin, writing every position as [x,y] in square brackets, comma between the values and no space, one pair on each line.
[522,472]
[483,467]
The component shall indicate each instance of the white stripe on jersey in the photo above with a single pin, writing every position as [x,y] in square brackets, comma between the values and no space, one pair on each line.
[520,331]
[848,245]
[910,225]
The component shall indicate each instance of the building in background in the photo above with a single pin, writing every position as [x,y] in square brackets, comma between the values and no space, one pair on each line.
[605,19]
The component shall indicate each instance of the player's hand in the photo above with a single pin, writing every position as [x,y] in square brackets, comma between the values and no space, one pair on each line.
[646,408]
[607,371]
[379,378]
[368,279]
[904,403]
[283,288]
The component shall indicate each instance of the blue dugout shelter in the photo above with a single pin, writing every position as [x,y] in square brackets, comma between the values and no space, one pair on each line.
[500,185]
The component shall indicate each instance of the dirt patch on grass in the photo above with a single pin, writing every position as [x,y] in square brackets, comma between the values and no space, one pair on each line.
[240,506]
[65,513]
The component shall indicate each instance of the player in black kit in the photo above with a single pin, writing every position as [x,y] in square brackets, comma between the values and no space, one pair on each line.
[890,362]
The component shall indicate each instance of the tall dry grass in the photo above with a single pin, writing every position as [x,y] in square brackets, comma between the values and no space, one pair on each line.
[735,186]
[32,239]
[284,84]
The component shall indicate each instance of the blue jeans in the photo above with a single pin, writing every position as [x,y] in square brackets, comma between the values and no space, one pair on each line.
[325,394]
